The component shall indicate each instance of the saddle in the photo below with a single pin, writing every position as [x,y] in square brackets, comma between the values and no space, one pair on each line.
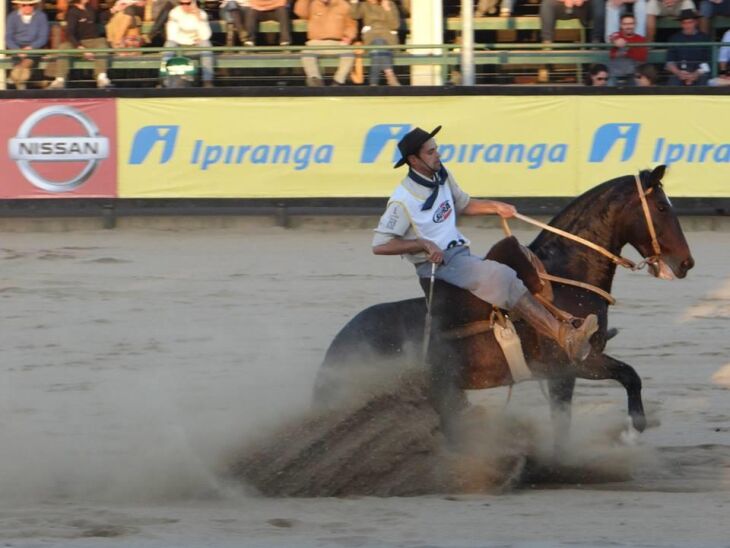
[464,308]
[459,315]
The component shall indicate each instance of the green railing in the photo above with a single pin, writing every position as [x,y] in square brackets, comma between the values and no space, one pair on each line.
[501,56]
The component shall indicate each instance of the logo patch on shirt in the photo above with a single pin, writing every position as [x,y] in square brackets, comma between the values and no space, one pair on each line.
[443,212]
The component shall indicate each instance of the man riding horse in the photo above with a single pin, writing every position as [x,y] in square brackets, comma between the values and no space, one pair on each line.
[420,224]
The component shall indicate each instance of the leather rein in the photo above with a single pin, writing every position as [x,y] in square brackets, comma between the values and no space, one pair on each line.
[616,259]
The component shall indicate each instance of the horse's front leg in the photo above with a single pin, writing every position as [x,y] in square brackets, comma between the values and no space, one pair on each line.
[560,390]
[603,366]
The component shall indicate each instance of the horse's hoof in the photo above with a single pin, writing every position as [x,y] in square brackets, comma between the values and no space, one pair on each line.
[630,435]
[639,422]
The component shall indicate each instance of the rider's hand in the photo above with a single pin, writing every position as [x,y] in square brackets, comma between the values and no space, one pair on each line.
[504,210]
[433,252]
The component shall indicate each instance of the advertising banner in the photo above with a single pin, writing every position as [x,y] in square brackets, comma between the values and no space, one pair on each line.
[58,149]
[346,146]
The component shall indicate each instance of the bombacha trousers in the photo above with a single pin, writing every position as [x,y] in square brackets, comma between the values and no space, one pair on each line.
[490,281]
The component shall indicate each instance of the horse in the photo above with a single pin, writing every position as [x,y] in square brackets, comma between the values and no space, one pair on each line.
[631,210]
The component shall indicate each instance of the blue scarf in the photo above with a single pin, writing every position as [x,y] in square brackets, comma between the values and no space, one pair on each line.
[441,176]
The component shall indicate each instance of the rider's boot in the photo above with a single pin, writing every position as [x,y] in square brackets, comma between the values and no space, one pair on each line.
[574,340]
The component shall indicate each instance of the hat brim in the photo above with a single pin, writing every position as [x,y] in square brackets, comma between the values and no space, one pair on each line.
[430,136]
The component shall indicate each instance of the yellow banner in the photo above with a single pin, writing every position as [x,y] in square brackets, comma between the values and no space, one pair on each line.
[496,146]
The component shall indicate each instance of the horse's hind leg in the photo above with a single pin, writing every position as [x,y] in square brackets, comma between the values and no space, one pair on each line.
[603,366]
[561,399]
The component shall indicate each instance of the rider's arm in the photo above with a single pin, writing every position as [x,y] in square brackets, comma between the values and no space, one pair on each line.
[399,246]
[489,207]
[395,236]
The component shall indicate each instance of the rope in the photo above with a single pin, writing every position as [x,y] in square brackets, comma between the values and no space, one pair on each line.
[605,294]
[622,261]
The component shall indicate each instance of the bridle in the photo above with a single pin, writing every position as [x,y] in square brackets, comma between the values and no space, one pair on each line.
[616,259]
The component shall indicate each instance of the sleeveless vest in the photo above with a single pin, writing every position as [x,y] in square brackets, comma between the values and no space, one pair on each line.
[438,224]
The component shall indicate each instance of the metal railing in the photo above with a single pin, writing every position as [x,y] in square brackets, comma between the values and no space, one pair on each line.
[496,62]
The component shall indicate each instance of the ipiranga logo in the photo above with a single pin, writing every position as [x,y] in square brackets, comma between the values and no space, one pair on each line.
[385,137]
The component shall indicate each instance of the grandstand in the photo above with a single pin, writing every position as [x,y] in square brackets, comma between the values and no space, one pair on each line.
[506,50]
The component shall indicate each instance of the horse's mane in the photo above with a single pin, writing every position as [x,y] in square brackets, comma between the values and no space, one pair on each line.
[591,215]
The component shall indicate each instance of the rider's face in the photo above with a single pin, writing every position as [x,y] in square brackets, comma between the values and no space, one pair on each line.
[428,159]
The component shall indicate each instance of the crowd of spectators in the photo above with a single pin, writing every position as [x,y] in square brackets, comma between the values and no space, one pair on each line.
[331,24]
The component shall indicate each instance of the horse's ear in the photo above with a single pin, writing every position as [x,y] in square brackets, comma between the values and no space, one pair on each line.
[656,176]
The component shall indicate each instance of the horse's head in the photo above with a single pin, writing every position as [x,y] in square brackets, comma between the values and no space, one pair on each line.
[674,257]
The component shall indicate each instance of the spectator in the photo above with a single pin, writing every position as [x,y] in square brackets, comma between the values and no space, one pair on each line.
[82,32]
[710,9]
[689,65]
[663,8]
[489,7]
[26,28]
[615,9]
[597,75]
[591,13]
[234,12]
[623,59]
[486,7]
[723,78]
[268,10]
[646,75]
[122,30]
[160,19]
[380,22]
[328,24]
[187,25]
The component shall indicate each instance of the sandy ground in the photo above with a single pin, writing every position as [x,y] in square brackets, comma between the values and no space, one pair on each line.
[136,361]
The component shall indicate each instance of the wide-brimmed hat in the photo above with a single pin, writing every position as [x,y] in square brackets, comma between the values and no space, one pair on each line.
[26,2]
[412,143]
[687,14]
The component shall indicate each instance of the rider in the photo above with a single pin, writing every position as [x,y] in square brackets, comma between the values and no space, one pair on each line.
[420,224]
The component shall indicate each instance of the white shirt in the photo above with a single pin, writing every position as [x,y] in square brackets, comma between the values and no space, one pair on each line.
[724,55]
[187,29]
[404,219]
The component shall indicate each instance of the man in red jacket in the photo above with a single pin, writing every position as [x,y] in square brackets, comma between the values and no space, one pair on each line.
[328,24]
[625,59]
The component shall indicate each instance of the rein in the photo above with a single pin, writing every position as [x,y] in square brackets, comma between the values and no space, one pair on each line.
[616,259]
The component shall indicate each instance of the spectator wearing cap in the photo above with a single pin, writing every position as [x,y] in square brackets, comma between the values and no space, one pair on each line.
[689,65]
[82,32]
[26,28]
[328,24]
[663,8]
[187,25]
[268,10]
[624,59]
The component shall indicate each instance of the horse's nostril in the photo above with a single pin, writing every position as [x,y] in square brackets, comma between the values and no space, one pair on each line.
[688,263]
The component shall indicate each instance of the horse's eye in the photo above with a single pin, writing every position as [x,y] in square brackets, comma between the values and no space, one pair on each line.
[662,207]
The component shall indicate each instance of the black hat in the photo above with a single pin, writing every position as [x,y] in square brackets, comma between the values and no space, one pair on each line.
[687,14]
[412,143]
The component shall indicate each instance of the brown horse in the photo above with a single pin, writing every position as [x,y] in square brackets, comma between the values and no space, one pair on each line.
[610,215]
